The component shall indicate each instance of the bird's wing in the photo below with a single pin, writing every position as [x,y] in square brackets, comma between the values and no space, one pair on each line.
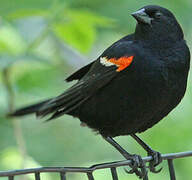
[82,71]
[112,62]
[79,73]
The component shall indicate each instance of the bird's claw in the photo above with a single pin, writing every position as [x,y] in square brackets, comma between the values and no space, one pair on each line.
[157,159]
[136,165]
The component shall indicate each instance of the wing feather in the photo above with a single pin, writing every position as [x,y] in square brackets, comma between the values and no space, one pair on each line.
[77,94]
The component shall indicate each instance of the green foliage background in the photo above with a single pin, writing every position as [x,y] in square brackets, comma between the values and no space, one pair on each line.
[43,41]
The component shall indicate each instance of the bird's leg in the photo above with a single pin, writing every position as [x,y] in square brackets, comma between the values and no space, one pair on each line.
[137,161]
[157,159]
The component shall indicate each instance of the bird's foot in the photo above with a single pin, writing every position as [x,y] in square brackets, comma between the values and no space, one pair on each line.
[157,159]
[137,166]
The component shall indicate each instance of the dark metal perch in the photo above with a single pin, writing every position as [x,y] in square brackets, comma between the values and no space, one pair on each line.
[89,171]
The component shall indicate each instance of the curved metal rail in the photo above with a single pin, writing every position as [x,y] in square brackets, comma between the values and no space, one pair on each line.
[89,170]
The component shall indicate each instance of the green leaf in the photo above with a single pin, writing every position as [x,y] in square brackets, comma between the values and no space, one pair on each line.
[9,6]
[11,41]
[11,158]
[7,60]
[22,13]
[90,18]
[78,36]
[35,77]
[80,30]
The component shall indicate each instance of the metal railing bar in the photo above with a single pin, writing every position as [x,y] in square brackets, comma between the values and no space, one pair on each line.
[37,176]
[114,173]
[90,176]
[11,178]
[144,170]
[177,155]
[63,175]
[146,178]
[171,169]
[92,168]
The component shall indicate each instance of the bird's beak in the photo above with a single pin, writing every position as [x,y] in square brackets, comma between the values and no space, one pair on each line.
[142,17]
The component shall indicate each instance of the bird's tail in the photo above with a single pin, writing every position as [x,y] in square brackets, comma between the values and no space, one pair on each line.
[66,103]
[28,109]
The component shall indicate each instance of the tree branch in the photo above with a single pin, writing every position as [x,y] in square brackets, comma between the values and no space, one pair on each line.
[16,124]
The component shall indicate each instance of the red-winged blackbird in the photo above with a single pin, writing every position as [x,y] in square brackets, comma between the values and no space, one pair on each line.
[134,84]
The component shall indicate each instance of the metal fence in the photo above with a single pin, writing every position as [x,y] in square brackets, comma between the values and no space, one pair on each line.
[89,171]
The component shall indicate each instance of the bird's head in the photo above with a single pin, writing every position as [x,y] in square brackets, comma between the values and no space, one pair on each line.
[157,22]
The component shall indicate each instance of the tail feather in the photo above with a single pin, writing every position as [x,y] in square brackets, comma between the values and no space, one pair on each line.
[66,110]
[58,103]
[28,110]
[62,99]
[57,106]
[62,104]
[67,100]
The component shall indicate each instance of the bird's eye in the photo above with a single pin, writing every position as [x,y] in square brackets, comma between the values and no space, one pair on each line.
[158,15]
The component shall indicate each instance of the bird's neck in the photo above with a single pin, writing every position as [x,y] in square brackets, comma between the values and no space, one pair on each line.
[157,38]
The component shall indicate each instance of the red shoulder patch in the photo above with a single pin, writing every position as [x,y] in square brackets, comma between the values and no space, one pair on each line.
[122,62]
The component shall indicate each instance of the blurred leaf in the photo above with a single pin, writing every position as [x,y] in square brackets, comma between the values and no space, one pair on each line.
[37,77]
[11,41]
[22,13]
[34,78]
[11,158]
[10,6]
[89,18]
[80,31]
[80,37]
[7,60]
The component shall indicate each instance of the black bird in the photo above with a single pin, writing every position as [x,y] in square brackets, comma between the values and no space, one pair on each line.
[134,84]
